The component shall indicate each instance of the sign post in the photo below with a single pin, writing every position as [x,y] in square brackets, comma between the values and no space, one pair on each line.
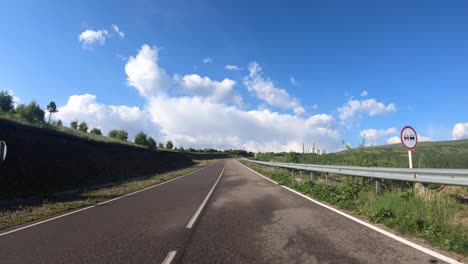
[3,151]
[409,139]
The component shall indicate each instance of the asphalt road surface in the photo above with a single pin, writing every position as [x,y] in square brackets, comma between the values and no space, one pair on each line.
[247,220]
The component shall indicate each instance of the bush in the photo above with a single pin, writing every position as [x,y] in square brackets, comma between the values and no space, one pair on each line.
[169,145]
[6,102]
[59,123]
[151,144]
[96,131]
[140,139]
[31,112]
[74,124]
[118,134]
[83,127]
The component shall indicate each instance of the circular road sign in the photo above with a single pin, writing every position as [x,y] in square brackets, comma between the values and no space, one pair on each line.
[3,151]
[409,138]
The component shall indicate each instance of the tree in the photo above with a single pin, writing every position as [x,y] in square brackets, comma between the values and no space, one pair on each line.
[83,127]
[160,145]
[31,112]
[169,144]
[6,102]
[150,143]
[74,124]
[59,123]
[118,134]
[140,139]
[52,108]
[96,131]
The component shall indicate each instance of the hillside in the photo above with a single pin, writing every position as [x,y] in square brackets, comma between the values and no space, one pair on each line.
[42,160]
[439,154]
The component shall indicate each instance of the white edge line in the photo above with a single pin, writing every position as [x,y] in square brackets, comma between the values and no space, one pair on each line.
[101,203]
[202,205]
[395,237]
[170,256]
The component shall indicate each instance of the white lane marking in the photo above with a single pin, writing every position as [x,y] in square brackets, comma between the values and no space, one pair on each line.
[266,178]
[397,238]
[170,256]
[202,205]
[101,203]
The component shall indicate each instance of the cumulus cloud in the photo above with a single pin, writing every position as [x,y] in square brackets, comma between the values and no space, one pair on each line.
[460,131]
[351,112]
[144,73]
[364,93]
[208,60]
[219,92]
[263,88]
[90,37]
[198,122]
[116,29]
[107,117]
[233,68]
[373,136]
[393,140]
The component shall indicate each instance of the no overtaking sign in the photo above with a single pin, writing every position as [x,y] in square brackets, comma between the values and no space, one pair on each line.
[409,138]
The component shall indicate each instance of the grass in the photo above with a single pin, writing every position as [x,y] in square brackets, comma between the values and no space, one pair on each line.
[85,135]
[437,218]
[20,214]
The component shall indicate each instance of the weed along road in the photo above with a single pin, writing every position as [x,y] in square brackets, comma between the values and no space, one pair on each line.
[224,213]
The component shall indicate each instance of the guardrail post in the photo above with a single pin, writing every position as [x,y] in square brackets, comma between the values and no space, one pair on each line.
[326,177]
[312,176]
[302,177]
[378,188]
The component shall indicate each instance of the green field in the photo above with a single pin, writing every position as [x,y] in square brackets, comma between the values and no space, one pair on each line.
[442,154]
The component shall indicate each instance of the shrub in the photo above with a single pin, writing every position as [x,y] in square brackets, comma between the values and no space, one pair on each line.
[74,124]
[140,139]
[83,127]
[6,102]
[118,134]
[96,131]
[169,145]
[31,112]
[151,144]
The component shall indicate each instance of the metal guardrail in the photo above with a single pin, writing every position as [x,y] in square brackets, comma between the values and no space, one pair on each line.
[441,176]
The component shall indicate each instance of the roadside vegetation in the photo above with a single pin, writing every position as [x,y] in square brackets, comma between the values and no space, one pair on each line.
[16,213]
[439,215]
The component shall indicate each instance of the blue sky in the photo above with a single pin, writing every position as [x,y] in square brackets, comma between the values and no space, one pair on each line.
[302,68]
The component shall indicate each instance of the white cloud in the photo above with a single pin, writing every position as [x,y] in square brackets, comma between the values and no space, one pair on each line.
[205,87]
[90,37]
[394,140]
[198,122]
[364,93]
[292,81]
[208,60]
[350,112]
[265,89]
[144,74]
[233,67]
[117,31]
[460,131]
[107,117]
[373,135]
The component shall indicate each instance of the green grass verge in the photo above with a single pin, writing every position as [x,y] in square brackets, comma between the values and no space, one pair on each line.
[21,214]
[429,216]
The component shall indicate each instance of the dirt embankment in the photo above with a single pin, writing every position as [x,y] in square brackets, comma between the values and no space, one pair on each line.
[41,161]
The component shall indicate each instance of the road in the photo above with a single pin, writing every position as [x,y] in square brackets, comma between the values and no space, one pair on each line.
[248,219]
